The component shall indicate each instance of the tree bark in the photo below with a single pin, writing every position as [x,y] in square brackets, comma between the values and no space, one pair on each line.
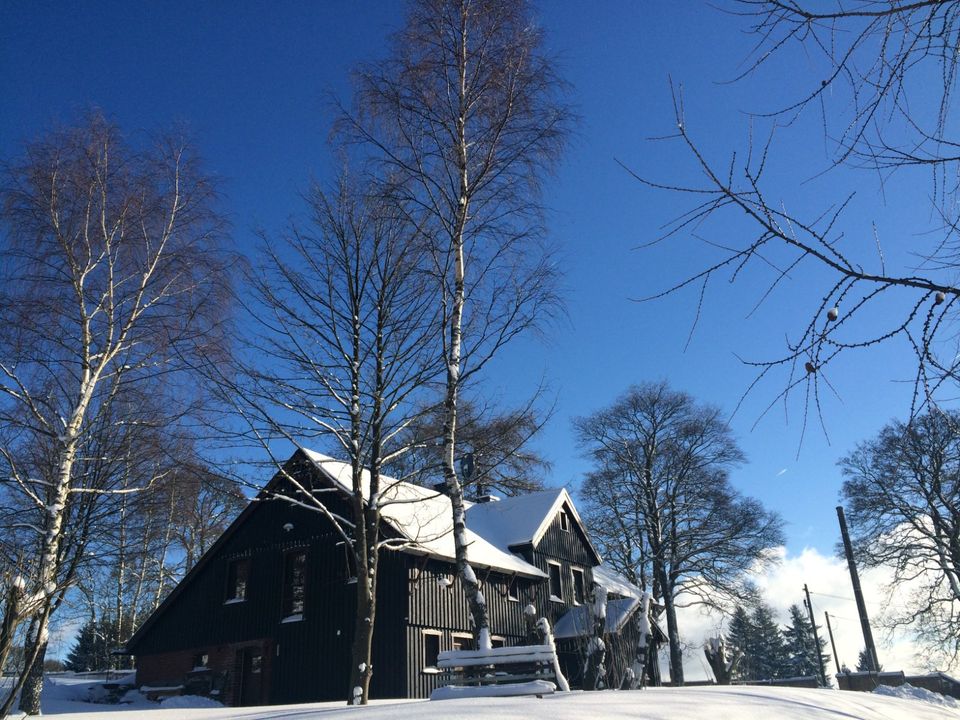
[594,674]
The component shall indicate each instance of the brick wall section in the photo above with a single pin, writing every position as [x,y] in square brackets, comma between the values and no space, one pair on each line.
[172,668]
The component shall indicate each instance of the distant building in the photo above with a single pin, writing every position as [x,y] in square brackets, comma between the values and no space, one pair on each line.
[266,615]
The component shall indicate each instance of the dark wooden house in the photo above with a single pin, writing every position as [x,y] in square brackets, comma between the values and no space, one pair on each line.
[266,615]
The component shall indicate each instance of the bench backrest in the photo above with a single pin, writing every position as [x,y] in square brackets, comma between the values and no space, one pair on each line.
[519,655]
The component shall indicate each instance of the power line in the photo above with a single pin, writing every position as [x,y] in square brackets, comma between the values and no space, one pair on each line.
[835,597]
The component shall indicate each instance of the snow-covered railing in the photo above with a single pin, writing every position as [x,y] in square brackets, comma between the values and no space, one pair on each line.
[503,671]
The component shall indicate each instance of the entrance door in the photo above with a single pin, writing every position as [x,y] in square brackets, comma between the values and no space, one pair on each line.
[251,676]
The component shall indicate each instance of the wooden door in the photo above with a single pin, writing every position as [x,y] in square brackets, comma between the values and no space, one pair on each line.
[251,676]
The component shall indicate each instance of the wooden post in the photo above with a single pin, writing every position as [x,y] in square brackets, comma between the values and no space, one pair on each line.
[833,645]
[869,647]
[816,637]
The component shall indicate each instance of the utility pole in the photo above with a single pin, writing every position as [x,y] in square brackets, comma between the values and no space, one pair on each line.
[816,637]
[833,645]
[869,647]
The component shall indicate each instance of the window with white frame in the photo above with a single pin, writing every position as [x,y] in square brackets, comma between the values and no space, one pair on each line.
[579,586]
[294,584]
[564,521]
[431,650]
[556,581]
[462,641]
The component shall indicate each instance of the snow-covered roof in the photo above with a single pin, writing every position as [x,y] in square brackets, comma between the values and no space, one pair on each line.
[425,518]
[521,519]
[576,621]
[615,583]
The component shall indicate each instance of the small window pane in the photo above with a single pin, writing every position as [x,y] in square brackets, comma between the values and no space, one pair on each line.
[579,594]
[564,520]
[237,576]
[556,585]
[431,649]
[463,642]
[294,582]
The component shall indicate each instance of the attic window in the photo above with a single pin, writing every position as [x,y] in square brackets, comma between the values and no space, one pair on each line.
[238,573]
[564,521]
[513,593]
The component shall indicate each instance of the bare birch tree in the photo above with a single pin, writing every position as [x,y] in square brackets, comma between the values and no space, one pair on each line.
[344,357]
[666,459]
[113,272]
[466,115]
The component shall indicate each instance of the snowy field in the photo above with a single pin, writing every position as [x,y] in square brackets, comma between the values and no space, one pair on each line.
[699,703]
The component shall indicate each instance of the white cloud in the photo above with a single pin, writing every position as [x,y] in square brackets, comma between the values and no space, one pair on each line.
[829,581]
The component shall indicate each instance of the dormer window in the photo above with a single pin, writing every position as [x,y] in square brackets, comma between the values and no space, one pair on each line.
[564,521]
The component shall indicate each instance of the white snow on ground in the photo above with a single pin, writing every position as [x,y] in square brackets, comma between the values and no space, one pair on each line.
[716,703]
[909,691]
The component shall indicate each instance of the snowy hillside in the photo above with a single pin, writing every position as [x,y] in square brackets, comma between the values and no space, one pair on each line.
[715,703]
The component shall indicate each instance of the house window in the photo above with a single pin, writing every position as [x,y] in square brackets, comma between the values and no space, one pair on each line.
[556,582]
[431,650]
[294,583]
[564,521]
[238,572]
[513,593]
[579,586]
[201,661]
[462,641]
[349,563]
[497,642]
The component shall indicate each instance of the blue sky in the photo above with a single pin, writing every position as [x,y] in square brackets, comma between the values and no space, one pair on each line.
[249,79]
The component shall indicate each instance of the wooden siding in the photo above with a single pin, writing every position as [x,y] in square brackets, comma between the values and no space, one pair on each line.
[570,549]
[309,658]
[434,605]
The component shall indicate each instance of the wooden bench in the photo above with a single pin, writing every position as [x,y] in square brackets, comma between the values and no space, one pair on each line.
[161,692]
[499,672]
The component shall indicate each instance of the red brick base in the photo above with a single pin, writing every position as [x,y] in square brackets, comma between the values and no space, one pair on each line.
[223,665]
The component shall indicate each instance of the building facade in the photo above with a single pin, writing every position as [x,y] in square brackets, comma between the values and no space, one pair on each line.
[266,616]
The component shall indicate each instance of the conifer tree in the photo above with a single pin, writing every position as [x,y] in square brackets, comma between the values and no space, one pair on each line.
[863,665]
[91,651]
[740,640]
[770,657]
[800,644]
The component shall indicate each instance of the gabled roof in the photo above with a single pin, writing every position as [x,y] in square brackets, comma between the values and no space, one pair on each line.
[425,519]
[523,519]
[616,583]
[577,620]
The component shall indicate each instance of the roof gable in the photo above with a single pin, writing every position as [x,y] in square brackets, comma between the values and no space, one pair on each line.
[424,518]
[525,519]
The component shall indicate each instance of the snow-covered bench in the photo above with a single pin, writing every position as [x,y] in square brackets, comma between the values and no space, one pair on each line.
[499,672]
